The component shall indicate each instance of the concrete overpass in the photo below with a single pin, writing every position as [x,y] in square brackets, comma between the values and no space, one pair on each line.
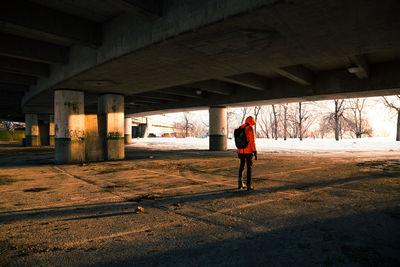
[136,57]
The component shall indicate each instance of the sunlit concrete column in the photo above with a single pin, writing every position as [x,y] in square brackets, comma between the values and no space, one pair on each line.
[94,149]
[51,130]
[218,128]
[128,131]
[69,120]
[32,130]
[111,125]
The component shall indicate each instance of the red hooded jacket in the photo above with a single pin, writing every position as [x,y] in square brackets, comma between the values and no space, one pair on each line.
[251,147]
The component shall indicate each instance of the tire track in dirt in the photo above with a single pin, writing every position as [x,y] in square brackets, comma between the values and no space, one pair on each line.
[86,181]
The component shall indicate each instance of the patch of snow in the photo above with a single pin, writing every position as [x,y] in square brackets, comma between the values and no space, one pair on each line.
[280,145]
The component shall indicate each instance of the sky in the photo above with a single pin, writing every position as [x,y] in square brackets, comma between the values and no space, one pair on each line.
[381,119]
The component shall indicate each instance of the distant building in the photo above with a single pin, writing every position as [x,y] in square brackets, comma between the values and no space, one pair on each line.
[144,127]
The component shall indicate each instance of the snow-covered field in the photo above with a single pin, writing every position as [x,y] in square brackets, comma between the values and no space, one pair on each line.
[280,146]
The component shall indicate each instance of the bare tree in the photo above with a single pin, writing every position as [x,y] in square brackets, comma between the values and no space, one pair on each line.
[396,107]
[187,124]
[199,129]
[284,119]
[231,120]
[338,115]
[257,110]
[275,128]
[292,122]
[244,111]
[264,122]
[323,127]
[333,121]
[301,118]
[355,122]
[305,120]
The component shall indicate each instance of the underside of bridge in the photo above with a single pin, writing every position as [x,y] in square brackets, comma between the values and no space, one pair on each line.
[171,55]
[164,55]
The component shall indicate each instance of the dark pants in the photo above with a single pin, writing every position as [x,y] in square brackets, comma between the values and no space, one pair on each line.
[245,158]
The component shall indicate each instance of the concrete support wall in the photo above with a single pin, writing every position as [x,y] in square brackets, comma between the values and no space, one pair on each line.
[69,119]
[218,128]
[128,131]
[94,150]
[111,125]
[51,130]
[32,130]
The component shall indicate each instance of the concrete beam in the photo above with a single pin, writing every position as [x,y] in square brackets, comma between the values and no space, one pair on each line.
[183,91]
[28,49]
[44,23]
[361,70]
[137,99]
[298,74]
[135,104]
[249,80]
[213,86]
[150,9]
[25,67]
[160,96]
[327,85]
[13,78]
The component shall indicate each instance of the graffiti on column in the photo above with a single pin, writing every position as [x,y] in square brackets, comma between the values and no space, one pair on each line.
[75,134]
[114,135]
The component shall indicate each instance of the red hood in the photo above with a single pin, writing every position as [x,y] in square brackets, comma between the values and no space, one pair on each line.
[250,120]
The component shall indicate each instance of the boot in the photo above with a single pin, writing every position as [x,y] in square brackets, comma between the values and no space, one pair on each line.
[240,182]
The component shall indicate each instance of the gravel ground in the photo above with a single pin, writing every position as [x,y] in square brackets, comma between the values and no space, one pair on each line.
[182,208]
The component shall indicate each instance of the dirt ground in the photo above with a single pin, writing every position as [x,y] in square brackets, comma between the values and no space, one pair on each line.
[182,208]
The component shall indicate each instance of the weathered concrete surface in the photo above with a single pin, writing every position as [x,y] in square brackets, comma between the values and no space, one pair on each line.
[111,125]
[340,210]
[44,133]
[128,130]
[128,33]
[51,130]
[218,128]
[94,149]
[299,50]
[69,117]
[32,130]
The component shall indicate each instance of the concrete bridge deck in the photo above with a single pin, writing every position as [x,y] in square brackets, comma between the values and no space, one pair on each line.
[172,55]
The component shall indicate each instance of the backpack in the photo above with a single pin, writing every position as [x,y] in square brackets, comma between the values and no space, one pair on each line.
[240,137]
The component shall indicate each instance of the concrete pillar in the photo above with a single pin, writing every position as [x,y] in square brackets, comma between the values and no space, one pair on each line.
[44,132]
[51,130]
[94,150]
[69,120]
[111,125]
[218,128]
[128,131]
[32,130]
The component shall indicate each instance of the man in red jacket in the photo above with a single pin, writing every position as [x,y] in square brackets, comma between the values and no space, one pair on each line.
[246,154]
